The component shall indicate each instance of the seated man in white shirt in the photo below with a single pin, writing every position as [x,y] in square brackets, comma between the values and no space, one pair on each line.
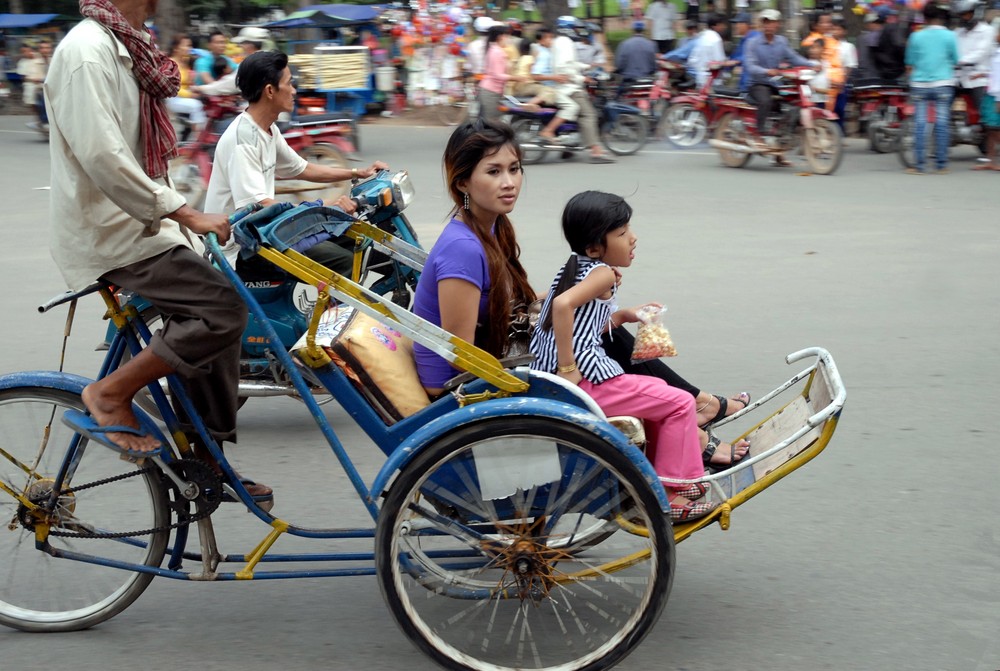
[251,154]
[709,49]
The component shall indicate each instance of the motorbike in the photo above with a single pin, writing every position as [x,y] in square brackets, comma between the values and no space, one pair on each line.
[692,116]
[622,128]
[326,139]
[653,95]
[966,128]
[381,200]
[794,121]
[880,106]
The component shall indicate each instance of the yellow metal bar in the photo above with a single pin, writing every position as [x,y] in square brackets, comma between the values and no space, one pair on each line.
[314,356]
[246,573]
[115,312]
[20,497]
[467,357]
[682,531]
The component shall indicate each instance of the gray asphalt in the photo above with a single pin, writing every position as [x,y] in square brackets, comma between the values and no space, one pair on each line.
[881,554]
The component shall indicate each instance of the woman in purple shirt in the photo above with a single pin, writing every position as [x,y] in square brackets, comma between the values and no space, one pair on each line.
[473,273]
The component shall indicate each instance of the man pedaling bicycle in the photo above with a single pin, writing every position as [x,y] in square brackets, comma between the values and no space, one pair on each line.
[115,216]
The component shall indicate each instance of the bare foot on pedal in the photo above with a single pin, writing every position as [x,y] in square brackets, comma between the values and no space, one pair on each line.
[108,410]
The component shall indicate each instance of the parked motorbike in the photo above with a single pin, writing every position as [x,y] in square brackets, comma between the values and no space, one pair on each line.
[621,128]
[381,200]
[794,121]
[325,139]
[880,106]
[966,128]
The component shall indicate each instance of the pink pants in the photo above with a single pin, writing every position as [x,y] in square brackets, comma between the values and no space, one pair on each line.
[668,416]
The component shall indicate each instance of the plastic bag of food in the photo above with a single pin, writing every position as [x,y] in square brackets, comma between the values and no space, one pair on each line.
[652,339]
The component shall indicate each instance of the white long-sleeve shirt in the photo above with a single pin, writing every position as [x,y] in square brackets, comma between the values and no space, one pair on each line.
[975,47]
[564,62]
[106,212]
[708,50]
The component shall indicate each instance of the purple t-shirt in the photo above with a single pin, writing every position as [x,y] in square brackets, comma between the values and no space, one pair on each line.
[456,254]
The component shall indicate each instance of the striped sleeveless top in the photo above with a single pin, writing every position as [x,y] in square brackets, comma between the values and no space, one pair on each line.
[589,322]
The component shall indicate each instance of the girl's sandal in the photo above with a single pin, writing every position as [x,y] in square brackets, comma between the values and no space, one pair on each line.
[688,511]
[692,492]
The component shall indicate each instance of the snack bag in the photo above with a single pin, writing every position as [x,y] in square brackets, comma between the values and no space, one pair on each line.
[652,340]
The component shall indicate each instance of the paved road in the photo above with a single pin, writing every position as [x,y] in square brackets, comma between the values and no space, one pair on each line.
[881,554]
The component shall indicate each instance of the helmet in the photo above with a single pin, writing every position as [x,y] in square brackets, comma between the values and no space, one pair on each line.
[964,6]
[483,24]
[567,25]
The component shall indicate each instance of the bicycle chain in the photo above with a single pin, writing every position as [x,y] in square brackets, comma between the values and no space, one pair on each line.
[184,518]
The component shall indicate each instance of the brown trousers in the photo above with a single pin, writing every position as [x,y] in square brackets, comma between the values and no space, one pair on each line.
[203,321]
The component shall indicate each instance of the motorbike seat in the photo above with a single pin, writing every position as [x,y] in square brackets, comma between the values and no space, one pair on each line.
[726,92]
[314,120]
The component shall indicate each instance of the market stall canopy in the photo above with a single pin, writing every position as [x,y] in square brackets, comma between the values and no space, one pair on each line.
[14,21]
[328,16]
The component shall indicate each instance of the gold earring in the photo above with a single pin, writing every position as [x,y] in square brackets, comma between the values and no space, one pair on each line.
[465,201]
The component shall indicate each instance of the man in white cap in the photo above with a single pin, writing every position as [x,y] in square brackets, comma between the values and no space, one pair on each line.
[763,56]
[251,39]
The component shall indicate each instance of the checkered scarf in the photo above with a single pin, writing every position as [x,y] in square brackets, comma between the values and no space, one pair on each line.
[159,78]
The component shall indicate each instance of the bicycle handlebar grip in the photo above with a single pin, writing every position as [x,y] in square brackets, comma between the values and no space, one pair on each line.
[244,212]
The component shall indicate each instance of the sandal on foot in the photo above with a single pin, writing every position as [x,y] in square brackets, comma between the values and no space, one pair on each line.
[87,426]
[713,444]
[265,501]
[688,511]
[692,492]
[742,397]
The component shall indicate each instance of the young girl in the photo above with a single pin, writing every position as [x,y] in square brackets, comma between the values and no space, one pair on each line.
[579,308]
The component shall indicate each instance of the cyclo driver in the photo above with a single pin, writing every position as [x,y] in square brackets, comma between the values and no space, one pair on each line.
[764,55]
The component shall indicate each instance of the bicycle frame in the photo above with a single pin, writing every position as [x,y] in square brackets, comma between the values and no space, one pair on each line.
[492,394]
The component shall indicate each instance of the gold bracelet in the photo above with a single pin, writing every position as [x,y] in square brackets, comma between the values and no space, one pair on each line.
[566,369]
[354,173]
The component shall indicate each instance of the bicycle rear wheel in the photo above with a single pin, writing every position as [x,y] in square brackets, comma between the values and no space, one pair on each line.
[530,544]
[39,592]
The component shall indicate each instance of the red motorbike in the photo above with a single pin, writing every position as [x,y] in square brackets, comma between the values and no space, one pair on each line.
[880,107]
[794,121]
[691,116]
[653,95]
[327,139]
[966,128]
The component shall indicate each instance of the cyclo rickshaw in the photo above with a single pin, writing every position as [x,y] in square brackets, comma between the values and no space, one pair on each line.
[516,527]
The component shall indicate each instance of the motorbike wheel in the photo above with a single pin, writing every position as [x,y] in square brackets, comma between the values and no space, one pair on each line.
[526,131]
[881,138]
[188,181]
[453,111]
[823,147]
[730,130]
[683,125]
[626,134]
[296,190]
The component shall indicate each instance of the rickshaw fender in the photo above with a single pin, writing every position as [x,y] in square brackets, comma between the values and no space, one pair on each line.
[74,384]
[521,406]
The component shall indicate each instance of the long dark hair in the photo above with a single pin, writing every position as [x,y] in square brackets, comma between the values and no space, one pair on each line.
[469,144]
[587,220]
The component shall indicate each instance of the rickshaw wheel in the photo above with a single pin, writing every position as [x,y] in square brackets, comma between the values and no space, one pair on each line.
[522,530]
[44,593]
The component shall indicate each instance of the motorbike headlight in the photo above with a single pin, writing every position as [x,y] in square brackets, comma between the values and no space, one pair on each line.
[402,188]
